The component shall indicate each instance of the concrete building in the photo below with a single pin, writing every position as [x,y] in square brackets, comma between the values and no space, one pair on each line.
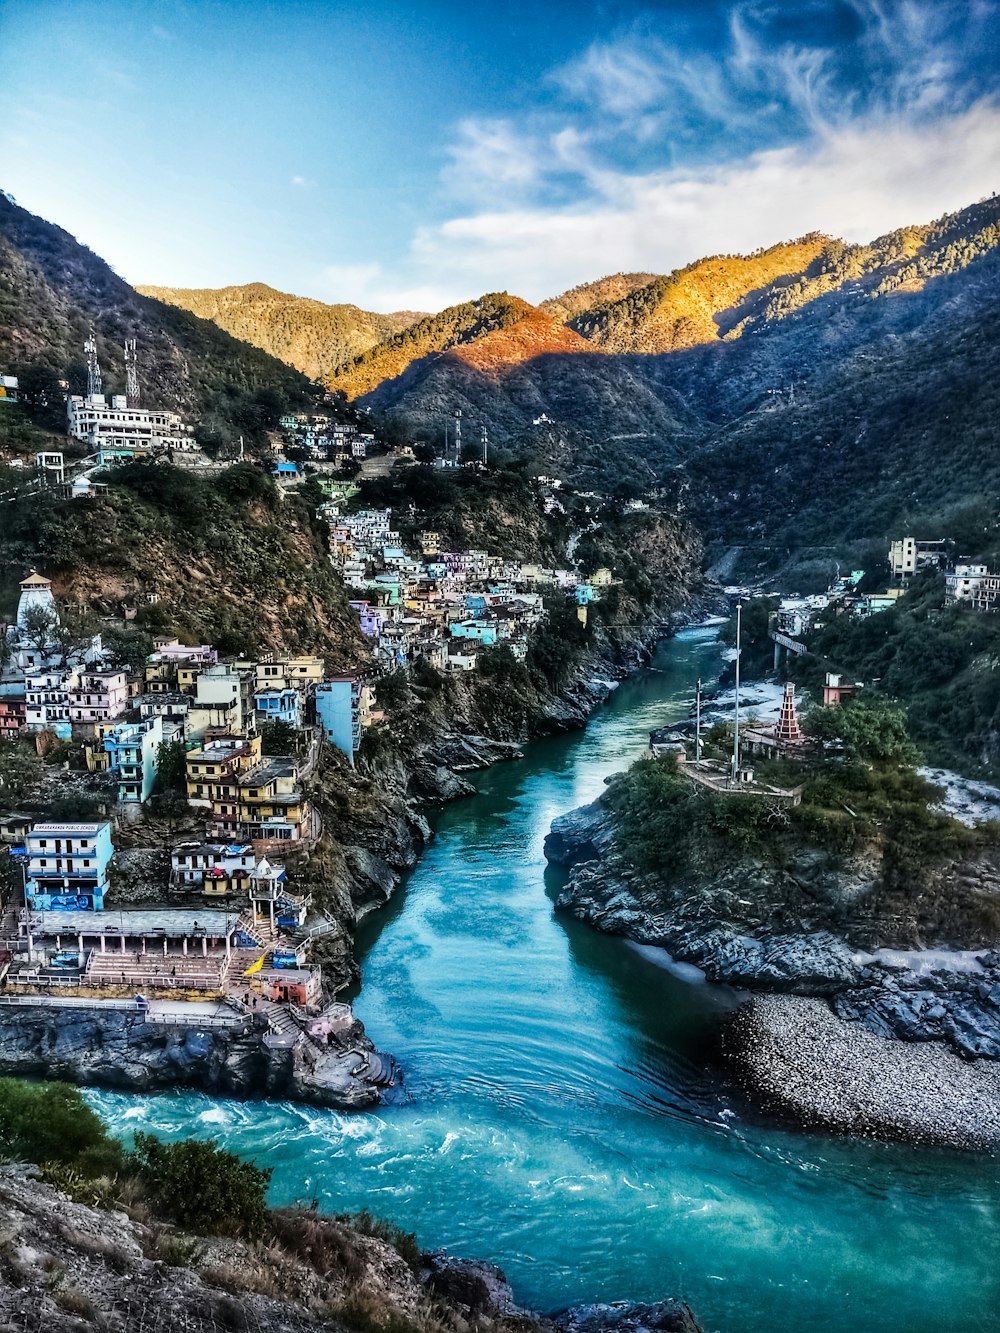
[98,696]
[215,868]
[131,750]
[907,555]
[13,714]
[278,706]
[975,585]
[343,707]
[68,866]
[47,700]
[102,424]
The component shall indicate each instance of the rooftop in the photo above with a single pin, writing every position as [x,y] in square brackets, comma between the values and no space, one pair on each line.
[171,922]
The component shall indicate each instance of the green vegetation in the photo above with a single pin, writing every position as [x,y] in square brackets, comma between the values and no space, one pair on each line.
[20,770]
[861,798]
[940,660]
[278,738]
[309,335]
[50,1122]
[227,560]
[202,1187]
[53,290]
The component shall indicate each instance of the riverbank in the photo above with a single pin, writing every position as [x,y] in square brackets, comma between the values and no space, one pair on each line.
[800,923]
[797,1058]
[67,1265]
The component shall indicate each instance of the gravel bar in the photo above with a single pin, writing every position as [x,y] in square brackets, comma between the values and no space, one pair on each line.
[797,1057]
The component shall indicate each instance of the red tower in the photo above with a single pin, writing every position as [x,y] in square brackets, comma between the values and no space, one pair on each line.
[788,731]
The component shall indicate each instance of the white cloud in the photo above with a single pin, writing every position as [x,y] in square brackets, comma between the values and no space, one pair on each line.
[857,182]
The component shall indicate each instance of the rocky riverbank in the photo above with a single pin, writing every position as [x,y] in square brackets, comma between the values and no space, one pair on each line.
[842,1033]
[794,1055]
[102,1046]
[66,1266]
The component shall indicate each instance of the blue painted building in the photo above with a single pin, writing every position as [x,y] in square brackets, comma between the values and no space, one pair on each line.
[338,708]
[483,631]
[132,748]
[278,706]
[68,867]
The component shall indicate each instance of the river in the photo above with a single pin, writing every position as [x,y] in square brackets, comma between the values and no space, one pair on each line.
[564,1118]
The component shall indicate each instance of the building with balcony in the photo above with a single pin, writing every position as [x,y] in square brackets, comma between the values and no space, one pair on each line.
[216,869]
[68,867]
[103,424]
[13,712]
[47,700]
[278,706]
[130,749]
[98,696]
[344,709]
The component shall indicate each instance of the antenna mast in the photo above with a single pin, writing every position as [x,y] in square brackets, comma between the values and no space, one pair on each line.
[736,732]
[458,437]
[131,374]
[484,446]
[93,369]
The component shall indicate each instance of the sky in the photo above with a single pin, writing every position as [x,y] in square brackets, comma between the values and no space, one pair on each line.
[412,155]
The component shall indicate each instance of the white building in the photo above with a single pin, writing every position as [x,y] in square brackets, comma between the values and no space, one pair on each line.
[101,424]
[973,584]
[36,593]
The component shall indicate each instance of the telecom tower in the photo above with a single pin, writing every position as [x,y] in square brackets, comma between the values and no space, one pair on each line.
[93,369]
[131,374]
[484,446]
[458,437]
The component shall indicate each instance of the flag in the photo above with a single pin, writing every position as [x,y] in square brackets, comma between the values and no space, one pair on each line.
[255,967]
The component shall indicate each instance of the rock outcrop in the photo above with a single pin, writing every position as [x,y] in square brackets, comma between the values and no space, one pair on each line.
[66,1266]
[122,1049]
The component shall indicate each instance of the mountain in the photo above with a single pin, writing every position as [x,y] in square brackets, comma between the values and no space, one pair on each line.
[53,290]
[814,393]
[590,295]
[495,332]
[696,304]
[309,335]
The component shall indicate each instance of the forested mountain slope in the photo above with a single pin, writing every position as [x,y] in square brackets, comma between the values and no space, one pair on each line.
[53,290]
[310,335]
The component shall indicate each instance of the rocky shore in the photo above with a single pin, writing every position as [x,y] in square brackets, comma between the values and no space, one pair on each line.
[794,1055]
[892,1041]
[67,1266]
[103,1046]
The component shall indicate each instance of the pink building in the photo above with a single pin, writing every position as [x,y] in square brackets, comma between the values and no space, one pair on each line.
[100,696]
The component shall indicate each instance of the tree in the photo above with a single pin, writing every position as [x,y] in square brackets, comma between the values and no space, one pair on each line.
[278,737]
[126,646]
[171,767]
[871,729]
[42,396]
[73,631]
[39,624]
[47,1122]
[20,771]
[203,1187]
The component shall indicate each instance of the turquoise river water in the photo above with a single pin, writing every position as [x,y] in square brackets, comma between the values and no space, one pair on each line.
[565,1120]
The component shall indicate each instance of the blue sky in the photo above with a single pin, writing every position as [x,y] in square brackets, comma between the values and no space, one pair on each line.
[411,155]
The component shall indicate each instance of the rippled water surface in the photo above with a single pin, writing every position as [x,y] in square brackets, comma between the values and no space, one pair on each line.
[565,1119]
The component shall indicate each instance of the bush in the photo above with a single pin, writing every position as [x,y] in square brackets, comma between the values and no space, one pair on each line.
[50,1122]
[202,1187]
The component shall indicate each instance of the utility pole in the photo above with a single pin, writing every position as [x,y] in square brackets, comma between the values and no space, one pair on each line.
[484,446]
[697,723]
[736,731]
[458,437]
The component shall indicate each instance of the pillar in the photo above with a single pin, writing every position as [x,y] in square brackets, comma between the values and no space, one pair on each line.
[184,945]
[777,654]
[204,946]
[104,947]
[122,943]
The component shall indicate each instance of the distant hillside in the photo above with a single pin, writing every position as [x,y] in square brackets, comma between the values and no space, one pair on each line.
[53,289]
[590,295]
[495,331]
[854,392]
[309,335]
[696,304]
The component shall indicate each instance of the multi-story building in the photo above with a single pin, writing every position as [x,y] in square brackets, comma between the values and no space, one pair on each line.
[973,584]
[47,700]
[280,671]
[101,424]
[213,777]
[163,665]
[13,713]
[907,555]
[223,702]
[98,696]
[344,709]
[131,751]
[68,866]
[216,868]
[278,706]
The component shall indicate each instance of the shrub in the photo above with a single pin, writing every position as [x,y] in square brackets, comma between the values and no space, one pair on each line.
[50,1122]
[202,1187]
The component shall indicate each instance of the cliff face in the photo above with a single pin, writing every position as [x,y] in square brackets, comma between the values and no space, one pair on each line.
[126,1051]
